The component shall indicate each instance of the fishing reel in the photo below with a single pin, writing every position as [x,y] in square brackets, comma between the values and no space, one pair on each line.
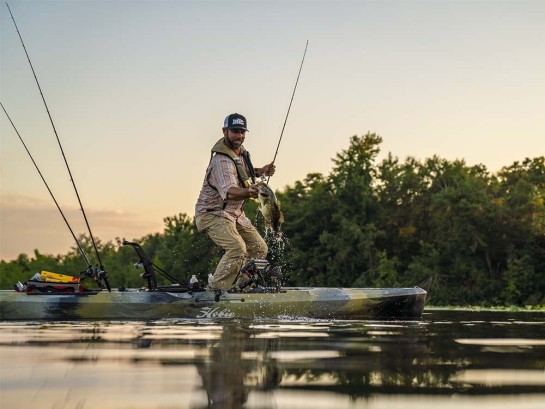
[99,275]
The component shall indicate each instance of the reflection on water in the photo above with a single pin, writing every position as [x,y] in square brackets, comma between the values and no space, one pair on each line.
[449,359]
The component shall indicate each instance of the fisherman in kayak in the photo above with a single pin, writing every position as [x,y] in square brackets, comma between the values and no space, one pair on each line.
[229,181]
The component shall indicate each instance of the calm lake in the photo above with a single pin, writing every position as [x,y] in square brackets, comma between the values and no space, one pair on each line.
[449,359]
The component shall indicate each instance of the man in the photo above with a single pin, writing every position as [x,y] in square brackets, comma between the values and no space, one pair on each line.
[230,181]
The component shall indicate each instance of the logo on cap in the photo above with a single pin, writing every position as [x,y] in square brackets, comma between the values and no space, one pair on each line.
[235,121]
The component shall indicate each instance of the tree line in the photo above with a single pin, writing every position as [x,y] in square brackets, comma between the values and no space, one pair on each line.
[478,236]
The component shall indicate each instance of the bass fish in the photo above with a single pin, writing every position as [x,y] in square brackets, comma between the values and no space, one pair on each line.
[269,207]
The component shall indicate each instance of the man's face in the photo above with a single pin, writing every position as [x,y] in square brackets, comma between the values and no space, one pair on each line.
[234,137]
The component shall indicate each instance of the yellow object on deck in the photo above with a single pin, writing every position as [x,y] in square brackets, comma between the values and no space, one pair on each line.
[57,278]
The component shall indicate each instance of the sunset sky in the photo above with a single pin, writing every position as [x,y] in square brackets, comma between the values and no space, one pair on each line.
[138,91]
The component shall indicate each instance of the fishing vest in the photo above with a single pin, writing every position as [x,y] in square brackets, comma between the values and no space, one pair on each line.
[222,149]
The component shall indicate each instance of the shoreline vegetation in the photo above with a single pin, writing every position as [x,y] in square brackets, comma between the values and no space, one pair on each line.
[510,308]
[478,238]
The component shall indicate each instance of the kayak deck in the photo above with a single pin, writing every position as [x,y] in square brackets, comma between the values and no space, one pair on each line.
[321,303]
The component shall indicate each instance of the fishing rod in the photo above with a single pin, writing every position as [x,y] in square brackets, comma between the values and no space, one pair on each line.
[289,108]
[101,274]
[48,189]
[62,152]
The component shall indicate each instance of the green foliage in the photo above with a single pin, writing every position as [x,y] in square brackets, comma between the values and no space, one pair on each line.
[479,237]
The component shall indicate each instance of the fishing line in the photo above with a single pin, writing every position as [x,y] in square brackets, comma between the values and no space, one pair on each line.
[59,142]
[48,189]
[289,108]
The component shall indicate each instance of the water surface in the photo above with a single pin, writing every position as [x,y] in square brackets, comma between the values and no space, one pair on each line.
[449,359]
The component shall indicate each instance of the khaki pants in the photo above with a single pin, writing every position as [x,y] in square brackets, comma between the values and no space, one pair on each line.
[240,243]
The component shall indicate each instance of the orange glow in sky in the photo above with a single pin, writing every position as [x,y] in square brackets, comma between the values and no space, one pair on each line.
[138,91]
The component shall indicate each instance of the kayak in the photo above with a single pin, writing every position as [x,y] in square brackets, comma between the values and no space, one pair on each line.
[53,296]
[142,304]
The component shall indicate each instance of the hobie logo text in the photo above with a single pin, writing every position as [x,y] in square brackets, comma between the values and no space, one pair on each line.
[217,312]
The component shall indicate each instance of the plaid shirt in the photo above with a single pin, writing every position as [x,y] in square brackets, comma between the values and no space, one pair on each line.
[221,174]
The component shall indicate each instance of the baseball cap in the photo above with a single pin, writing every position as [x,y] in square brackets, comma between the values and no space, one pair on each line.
[235,121]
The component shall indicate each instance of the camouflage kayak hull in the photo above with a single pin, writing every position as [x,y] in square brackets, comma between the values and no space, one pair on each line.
[321,303]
